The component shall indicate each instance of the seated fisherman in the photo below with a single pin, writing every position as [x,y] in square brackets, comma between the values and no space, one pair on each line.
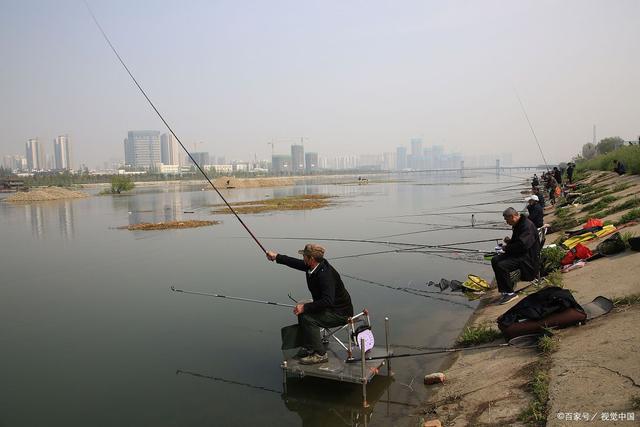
[536,212]
[331,304]
[619,168]
[521,251]
[540,195]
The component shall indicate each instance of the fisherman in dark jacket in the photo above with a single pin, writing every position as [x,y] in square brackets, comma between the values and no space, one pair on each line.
[331,305]
[521,251]
[536,213]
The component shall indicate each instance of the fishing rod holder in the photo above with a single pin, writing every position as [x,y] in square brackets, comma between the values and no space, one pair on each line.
[357,328]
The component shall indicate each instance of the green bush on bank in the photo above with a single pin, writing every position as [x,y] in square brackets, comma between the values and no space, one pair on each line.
[629,155]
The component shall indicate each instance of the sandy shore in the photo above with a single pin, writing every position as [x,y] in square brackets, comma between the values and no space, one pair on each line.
[595,370]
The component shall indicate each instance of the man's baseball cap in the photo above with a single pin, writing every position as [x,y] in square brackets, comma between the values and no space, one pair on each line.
[312,250]
[534,197]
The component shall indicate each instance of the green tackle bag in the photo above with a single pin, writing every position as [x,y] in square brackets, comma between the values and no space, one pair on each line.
[613,245]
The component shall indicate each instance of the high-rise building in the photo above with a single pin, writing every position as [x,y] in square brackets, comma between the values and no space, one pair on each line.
[389,161]
[280,163]
[416,159]
[297,158]
[170,153]
[35,155]
[201,157]
[401,157]
[142,149]
[311,161]
[62,153]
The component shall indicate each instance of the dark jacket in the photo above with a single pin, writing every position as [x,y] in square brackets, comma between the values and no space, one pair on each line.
[536,214]
[325,285]
[539,305]
[525,244]
[558,175]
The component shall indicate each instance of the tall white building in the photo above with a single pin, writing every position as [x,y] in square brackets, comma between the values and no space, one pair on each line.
[142,149]
[62,153]
[35,155]
[170,151]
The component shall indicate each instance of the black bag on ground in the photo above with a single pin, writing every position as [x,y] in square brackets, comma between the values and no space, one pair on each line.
[539,306]
[613,245]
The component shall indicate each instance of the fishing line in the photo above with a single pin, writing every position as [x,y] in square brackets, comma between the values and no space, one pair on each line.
[226,381]
[169,127]
[532,131]
[414,245]
[408,290]
[454,227]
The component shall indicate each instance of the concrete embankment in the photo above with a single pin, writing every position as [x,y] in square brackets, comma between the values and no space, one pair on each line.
[593,369]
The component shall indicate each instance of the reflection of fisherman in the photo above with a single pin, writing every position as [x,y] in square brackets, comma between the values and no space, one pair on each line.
[331,305]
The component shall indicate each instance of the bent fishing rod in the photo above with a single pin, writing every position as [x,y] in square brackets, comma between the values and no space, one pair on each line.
[256,301]
[104,34]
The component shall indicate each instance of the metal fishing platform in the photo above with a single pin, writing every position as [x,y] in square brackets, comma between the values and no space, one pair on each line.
[342,366]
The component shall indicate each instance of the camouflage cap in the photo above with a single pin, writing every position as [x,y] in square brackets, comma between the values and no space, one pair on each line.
[312,250]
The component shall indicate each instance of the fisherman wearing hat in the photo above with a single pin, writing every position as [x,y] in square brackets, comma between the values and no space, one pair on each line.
[536,212]
[331,305]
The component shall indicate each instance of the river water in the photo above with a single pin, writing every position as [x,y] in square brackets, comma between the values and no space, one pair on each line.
[91,334]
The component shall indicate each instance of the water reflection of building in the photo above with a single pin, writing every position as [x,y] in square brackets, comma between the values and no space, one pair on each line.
[34,215]
[65,220]
[155,207]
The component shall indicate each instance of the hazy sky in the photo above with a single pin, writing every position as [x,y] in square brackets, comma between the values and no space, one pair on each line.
[349,76]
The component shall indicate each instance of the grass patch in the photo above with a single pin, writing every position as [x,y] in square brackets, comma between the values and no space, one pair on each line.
[291,203]
[600,204]
[620,187]
[551,257]
[565,223]
[536,413]
[555,278]
[547,344]
[635,402]
[629,204]
[474,335]
[627,300]
[629,216]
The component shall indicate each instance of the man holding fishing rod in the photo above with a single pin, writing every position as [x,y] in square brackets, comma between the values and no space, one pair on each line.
[331,305]
[521,251]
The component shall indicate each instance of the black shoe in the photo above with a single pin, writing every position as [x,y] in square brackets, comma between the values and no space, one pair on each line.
[507,298]
[302,353]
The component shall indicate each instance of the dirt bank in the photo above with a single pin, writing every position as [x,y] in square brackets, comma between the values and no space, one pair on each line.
[45,194]
[596,368]
[147,226]
[292,203]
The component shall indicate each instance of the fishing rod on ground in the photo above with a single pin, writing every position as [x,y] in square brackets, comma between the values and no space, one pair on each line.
[522,342]
[104,34]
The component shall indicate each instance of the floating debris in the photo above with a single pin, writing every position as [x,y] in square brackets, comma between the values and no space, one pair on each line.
[168,225]
[290,203]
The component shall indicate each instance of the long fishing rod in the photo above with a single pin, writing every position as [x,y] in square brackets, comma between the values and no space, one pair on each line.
[104,34]
[381,242]
[523,341]
[453,227]
[257,301]
[532,131]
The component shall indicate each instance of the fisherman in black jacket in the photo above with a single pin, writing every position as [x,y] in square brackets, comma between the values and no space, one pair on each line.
[331,305]
[521,251]
[536,212]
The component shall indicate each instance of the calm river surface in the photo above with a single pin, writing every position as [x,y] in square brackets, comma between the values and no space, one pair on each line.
[91,334]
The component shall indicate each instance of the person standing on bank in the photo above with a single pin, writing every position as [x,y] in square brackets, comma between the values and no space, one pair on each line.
[331,305]
[521,251]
